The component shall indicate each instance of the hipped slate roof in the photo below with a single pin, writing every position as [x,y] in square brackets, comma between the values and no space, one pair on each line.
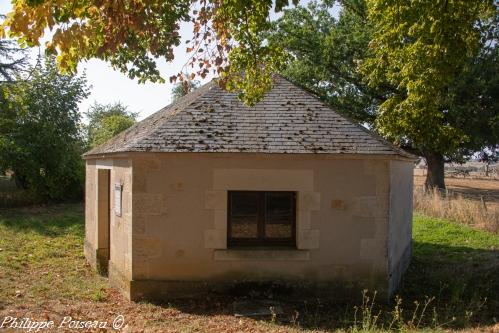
[288,120]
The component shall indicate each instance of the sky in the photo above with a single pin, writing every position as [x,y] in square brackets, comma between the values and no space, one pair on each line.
[109,86]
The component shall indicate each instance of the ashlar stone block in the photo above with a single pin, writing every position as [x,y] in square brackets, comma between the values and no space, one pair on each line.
[216,200]
[149,203]
[308,239]
[309,200]
[215,239]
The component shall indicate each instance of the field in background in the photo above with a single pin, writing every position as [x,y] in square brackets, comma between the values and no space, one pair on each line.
[469,187]
[473,202]
[44,276]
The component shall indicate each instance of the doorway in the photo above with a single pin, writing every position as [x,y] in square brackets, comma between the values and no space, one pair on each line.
[103,220]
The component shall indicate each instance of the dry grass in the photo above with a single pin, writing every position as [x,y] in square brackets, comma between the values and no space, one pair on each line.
[488,189]
[455,207]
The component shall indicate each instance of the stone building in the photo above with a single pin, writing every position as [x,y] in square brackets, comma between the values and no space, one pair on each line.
[209,192]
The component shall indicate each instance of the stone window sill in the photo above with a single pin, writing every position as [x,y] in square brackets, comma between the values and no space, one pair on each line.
[262,254]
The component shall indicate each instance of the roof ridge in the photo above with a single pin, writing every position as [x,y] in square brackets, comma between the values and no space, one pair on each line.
[376,136]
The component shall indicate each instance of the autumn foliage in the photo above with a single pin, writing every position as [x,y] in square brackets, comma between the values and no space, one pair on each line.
[131,34]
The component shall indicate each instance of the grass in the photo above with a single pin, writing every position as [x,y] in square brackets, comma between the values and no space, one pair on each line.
[459,209]
[459,266]
[40,252]
[463,240]
[452,283]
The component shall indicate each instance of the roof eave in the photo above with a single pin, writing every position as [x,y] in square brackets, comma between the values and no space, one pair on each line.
[124,154]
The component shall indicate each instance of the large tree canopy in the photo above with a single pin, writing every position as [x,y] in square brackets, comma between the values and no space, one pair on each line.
[338,59]
[40,132]
[324,54]
[228,40]
[13,59]
[107,120]
[423,73]
[422,57]
[423,48]
[132,34]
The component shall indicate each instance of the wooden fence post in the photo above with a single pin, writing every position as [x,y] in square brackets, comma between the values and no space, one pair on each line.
[482,200]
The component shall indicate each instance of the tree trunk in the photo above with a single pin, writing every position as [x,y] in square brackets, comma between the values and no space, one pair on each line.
[435,174]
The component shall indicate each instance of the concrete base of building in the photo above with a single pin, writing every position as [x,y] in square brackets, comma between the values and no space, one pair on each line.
[97,258]
[161,290]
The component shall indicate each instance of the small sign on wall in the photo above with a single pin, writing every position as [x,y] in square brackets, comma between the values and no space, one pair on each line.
[118,188]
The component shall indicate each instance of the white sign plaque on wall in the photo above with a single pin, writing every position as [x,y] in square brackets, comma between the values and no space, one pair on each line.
[118,188]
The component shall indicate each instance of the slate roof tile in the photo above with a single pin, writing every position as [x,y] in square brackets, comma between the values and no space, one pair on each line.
[287,120]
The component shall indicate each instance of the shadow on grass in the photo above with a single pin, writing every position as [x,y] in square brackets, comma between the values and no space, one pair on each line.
[52,221]
[459,284]
[463,280]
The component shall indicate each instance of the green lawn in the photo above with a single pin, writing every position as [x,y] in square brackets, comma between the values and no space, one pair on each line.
[459,266]
[43,274]
[41,252]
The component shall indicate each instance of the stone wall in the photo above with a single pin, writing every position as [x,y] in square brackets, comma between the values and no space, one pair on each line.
[354,218]
[90,247]
[179,218]
[97,245]
[121,226]
[400,227]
